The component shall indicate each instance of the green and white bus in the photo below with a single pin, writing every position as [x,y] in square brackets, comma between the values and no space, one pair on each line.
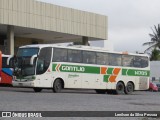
[80,67]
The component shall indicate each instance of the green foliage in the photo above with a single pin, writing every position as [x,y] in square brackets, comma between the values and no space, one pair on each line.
[155,55]
[154,44]
[155,39]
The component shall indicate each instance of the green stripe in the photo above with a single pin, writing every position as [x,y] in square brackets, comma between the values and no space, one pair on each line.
[106,78]
[133,72]
[54,67]
[96,70]
[77,68]
[89,69]
[110,71]
[124,71]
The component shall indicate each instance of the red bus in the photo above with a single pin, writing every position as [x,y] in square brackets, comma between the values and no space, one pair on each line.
[6,71]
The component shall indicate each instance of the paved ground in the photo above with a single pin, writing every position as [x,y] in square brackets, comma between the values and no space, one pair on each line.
[23,99]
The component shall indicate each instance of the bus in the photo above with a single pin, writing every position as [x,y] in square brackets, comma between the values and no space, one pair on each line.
[80,67]
[6,71]
[0,64]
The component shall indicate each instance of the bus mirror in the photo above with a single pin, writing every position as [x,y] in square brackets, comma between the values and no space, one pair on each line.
[9,59]
[32,59]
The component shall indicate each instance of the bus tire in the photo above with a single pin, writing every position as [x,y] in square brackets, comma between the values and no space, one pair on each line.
[37,89]
[57,86]
[129,88]
[100,91]
[120,88]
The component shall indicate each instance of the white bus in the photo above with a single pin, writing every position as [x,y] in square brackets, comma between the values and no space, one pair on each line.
[83,67]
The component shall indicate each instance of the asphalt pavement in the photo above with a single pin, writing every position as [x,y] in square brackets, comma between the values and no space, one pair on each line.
[25,99]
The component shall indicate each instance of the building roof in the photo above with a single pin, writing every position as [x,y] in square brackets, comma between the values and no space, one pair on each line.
[34,19]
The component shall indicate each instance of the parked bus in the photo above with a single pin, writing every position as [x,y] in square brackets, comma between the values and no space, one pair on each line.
[82,67]
[0,64]
[6,71]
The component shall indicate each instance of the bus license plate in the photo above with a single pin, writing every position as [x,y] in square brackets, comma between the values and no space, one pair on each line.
[21,84]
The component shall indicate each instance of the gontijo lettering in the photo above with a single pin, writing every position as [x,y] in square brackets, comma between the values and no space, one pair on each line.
[73,68]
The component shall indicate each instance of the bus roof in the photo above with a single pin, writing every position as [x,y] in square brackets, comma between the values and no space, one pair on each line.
[80,47]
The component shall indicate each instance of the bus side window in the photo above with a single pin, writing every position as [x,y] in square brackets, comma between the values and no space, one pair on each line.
[59,55]
[144,62]
[74,56]
[115,59]
[127,60]
[137,62]
[102,58]
[89,57]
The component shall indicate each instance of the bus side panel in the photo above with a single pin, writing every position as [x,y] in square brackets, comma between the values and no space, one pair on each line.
[99,82]
[142,83]
[89,81]
[6,76]
[43,80]
[111,86]
[93,81]
[73,80]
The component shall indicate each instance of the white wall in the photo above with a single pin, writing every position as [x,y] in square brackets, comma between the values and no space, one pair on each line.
[155,70]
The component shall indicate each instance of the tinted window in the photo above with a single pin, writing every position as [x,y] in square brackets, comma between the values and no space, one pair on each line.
[127,60]
[60,55]
[74,56]
[27,52]
[44,59]
[102,58]
[137,62]
[4,62]
[144,62]
[140,62]
[115,59]
[89,57]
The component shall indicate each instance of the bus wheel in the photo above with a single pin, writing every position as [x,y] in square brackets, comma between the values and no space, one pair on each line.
[129,88]
[120,88]
[100,91]
[37,89]
[57,86]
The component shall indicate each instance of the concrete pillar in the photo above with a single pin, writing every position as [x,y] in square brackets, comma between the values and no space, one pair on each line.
[85,41]
[10,40]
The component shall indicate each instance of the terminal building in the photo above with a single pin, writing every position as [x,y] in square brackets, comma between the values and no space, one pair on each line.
[25,22]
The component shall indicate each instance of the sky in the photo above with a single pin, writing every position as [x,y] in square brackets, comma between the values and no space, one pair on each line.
[129,21]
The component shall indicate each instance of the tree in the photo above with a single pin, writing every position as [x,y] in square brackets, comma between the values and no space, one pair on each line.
[155,55]
[155,39]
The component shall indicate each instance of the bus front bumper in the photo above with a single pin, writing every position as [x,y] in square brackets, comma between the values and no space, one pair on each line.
[23,84]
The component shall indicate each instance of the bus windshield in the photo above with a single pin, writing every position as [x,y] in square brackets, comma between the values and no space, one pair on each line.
[22,66]
[27,52]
